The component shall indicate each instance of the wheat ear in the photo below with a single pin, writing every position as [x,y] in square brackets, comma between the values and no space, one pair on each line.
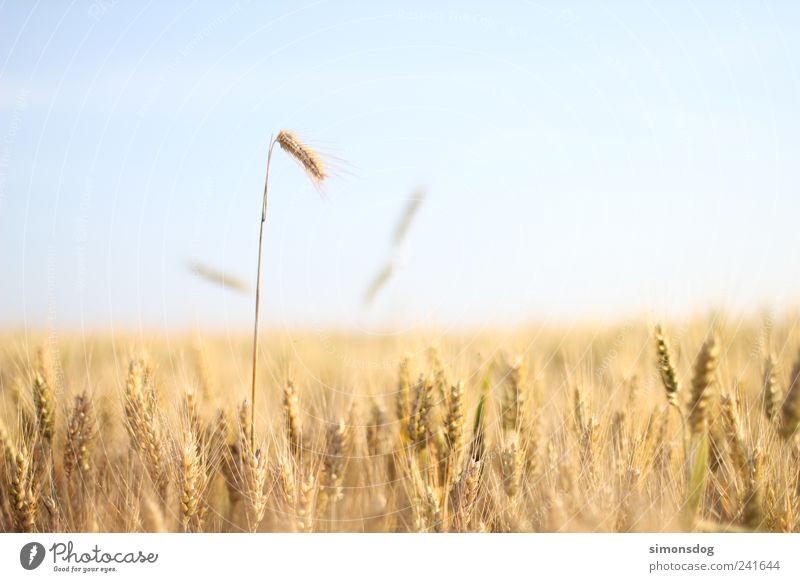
[418,418]
[291,413]
[454,425]
[255,478]
[666,369]
[464,496]
[336,445]
[305,156]
[790,412]
[192,505]
[78,464]
[511,465]
[44,400]
[734,433]
[704,368]
[402,404]
[24,493]
[145,432]
[771,397]
[513,396]
[81,432]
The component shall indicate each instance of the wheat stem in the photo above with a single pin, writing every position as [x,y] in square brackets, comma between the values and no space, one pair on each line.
[258,298]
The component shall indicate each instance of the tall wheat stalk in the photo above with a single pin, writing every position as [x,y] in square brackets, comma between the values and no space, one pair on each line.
[316,171]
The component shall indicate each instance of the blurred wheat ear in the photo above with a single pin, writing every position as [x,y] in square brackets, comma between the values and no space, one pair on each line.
[406,218]
[216,276]
[314,167]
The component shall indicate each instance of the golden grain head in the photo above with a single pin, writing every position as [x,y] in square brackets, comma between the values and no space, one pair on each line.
[310,161]
[666,369]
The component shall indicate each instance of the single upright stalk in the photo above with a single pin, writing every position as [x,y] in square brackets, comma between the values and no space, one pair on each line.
[316,171]
[258,301]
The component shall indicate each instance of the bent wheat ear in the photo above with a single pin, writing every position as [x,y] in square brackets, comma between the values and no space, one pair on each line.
[305,156]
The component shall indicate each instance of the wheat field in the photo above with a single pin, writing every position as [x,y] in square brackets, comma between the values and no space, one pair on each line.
[620,428]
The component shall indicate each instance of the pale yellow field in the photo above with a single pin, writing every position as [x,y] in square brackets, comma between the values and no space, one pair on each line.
[576,432]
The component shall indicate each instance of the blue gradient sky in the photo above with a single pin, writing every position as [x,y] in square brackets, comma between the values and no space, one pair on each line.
[597,161]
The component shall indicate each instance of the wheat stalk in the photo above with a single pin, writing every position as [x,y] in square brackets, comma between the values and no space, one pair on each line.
[315,169]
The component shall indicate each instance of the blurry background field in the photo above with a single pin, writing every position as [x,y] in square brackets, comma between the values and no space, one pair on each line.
[576,434]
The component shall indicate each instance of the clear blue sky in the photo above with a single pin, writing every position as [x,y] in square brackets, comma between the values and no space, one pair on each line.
[596,161]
